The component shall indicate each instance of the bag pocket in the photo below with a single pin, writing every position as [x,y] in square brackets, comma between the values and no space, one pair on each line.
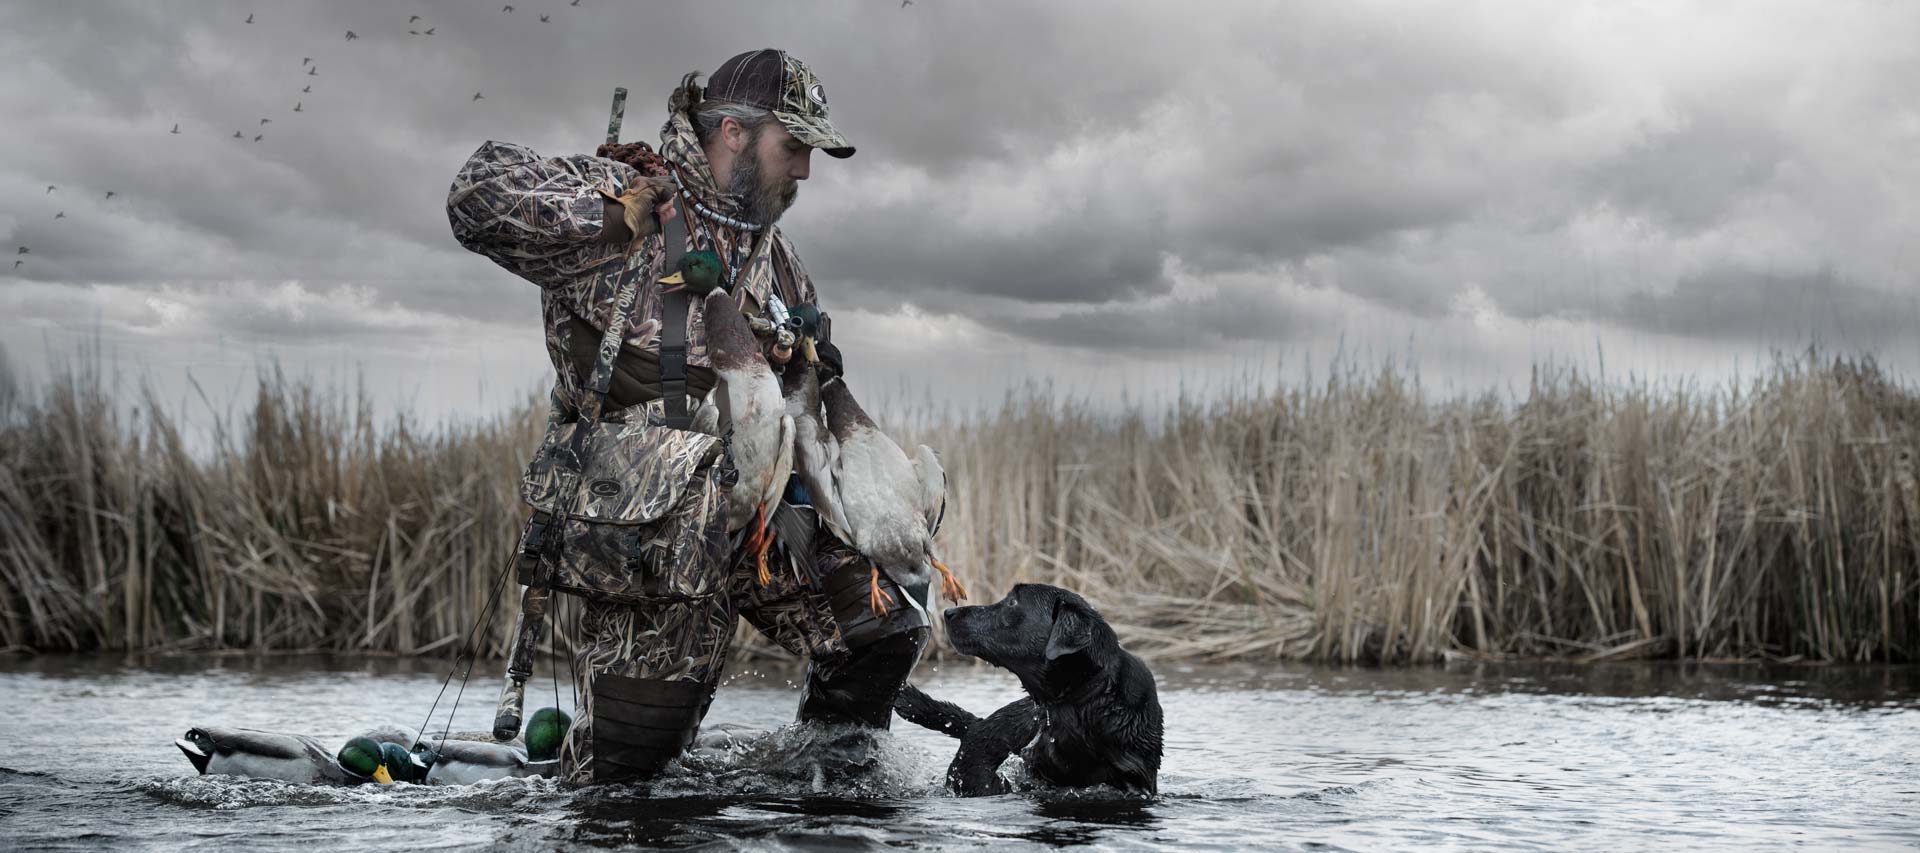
[648,523]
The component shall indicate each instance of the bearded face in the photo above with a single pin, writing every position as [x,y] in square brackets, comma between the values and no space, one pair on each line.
[763,193]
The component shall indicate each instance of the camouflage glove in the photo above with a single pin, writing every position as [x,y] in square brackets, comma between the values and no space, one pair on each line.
[630,214]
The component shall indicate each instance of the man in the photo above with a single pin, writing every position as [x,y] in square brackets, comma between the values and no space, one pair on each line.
[735,153]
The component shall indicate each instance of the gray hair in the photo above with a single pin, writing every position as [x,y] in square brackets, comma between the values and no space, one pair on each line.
[708,116]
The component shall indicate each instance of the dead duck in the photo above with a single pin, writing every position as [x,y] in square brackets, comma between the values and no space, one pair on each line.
[750,403]
[891,505]
[815,452]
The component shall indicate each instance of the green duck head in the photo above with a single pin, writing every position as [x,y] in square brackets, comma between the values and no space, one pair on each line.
[405,766]
[365,758]
[698,273]
[809,316]
[545,732]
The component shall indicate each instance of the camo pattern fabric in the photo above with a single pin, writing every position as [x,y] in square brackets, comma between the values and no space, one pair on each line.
[803,108]
[636,471]
[790,611]
[682,641]
[540,218]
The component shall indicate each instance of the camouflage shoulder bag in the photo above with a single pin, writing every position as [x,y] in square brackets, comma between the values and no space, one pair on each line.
[630,512]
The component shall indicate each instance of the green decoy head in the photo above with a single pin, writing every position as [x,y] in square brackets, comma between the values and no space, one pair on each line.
[545,732]
[365,758]
[403,765]
[697,273]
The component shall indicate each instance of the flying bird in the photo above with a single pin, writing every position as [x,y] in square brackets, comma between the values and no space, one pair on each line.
[50,188]
[23,251]
[109,193]
[543,19]
[308,90]
[476,96]
[304,60]
[296,106]
[265,120]
[16,264]
[314,71]
[237,135]
[351,36]
[176,128]
[413,32]
[574,3]
[905,3]
[257,137]
[430,30]
[249,17]
[413,18]
[506,8]
[61,215]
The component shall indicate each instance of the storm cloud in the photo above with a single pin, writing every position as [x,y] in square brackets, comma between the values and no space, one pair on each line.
[1089,185]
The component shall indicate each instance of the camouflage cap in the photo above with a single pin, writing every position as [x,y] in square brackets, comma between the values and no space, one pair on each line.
[774,80]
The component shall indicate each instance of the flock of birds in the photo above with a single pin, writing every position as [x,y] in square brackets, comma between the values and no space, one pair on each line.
[299,105]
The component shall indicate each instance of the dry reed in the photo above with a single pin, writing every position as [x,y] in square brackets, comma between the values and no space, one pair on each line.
[1351,520]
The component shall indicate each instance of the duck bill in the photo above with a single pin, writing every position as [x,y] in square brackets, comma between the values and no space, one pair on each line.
[381,775]
[806,349]
[676,278]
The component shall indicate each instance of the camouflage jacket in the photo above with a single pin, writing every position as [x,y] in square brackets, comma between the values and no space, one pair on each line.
[540,218]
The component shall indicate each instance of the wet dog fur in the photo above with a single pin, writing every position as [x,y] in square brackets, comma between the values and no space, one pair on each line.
[1091,715]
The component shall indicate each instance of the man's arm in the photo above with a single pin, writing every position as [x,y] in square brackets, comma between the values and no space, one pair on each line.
[515,206]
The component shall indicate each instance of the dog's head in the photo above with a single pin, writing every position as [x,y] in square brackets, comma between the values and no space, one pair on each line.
[1035,630]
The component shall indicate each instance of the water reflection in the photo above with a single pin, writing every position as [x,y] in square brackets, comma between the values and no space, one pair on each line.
[1078,821]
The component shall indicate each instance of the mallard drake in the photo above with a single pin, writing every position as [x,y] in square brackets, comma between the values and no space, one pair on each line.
[891,505]
[270,755]
[750,403]
[464,762]
[456,761]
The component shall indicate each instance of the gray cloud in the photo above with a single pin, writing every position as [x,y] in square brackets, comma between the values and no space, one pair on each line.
[1037,172]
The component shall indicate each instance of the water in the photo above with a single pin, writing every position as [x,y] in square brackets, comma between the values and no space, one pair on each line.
[1468,757]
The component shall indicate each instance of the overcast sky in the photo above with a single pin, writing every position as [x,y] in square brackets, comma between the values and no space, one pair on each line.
[1117,197]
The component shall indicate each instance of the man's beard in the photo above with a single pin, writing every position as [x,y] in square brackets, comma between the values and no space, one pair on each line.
[761,200]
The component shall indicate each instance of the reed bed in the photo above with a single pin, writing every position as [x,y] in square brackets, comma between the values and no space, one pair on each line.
[1351,519]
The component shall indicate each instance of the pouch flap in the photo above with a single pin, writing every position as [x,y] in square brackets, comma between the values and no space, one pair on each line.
[635,473]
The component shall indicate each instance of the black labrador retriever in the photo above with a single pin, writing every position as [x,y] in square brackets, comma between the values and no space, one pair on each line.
[1091,715]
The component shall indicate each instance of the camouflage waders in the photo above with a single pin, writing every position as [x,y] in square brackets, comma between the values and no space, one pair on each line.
[646,672]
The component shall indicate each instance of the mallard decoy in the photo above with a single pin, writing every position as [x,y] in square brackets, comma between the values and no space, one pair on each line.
[891,505]
[267,755]
[454,761]
[750,404]
[365,759]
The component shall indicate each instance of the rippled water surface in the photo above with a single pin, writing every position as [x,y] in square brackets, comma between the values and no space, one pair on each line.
[1467,757]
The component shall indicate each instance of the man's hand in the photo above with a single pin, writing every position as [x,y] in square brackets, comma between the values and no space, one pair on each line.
[629,216]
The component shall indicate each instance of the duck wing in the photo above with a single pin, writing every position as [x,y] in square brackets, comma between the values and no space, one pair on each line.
[933,487]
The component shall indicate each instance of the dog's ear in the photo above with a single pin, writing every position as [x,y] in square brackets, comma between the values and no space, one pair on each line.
[1072,631]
